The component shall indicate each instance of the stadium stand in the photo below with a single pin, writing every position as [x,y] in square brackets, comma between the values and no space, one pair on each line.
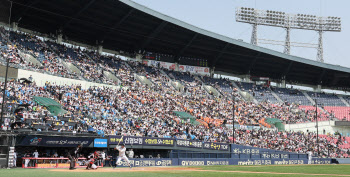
[140,110]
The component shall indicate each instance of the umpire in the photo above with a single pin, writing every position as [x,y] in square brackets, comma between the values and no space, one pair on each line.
[73,155]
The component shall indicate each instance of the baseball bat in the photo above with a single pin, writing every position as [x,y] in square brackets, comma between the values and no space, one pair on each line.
[120,140]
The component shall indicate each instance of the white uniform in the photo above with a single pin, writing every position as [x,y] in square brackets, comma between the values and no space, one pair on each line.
[310,157]
[93,166]
[26,162]
[36,154]
[103,155]
[131,154]
[15,159]
[122,155]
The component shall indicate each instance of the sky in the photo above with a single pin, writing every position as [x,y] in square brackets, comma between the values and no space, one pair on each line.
[218,16]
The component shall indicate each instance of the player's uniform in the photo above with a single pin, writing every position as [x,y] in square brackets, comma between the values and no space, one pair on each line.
[91,165]
[310,157]
[72,155]
[122,155]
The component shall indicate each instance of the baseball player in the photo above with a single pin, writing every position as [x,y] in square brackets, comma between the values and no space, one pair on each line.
[122,155]
[91,165]
[73,155]
[309,156]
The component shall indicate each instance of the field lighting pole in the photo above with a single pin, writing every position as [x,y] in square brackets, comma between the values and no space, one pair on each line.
[233,118]
[288,21]
[318,146]
[7,68]
[320,47]
[287,42]
[4,91]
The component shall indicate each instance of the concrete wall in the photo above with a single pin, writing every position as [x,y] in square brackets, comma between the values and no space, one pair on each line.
[328,126]
[41,79]
[12,72]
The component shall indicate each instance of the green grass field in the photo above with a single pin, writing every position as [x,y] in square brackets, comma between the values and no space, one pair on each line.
[203,171]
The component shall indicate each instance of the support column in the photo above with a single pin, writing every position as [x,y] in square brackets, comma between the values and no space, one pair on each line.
[99,49]
[14,26]
[318,88]
[283,83]
[212,72]
[59,38]
[246,78]
[138,57]
[176,66]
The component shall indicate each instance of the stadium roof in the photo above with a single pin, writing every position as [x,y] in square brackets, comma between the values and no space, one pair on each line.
[128,26]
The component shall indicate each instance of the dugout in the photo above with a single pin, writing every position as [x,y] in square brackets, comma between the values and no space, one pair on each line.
[49,146]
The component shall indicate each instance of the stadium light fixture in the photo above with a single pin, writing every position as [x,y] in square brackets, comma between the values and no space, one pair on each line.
[288,21]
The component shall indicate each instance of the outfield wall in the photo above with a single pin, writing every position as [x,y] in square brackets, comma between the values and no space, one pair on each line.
[223,161]
[343,160]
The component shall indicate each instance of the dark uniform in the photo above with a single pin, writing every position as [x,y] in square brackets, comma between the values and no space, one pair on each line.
[72,154]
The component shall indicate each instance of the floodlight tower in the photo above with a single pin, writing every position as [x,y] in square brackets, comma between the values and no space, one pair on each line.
[288,21]
[287,42]
[254,38]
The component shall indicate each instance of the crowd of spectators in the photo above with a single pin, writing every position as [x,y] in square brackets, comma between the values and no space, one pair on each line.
[328,146]
[136,109]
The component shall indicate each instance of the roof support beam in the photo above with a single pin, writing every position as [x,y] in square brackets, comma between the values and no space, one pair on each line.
[222,51]
[178,55]
[251,66]
[321,76]
[153,34]
[285,73]
[117,24]
[65,24]
[23,12]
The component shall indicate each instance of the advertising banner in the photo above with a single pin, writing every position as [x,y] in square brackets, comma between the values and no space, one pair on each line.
[158,141]
[223,161]
[240,149]
[132,140]
[194,69]
[147,162]
[100,143]
[189,143]
[56,141]
[127,140]
[202,162]
[162,64]
[152,141]
[216,146]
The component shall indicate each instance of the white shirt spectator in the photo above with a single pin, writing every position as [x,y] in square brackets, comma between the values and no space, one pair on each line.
[131,153]
[36,154]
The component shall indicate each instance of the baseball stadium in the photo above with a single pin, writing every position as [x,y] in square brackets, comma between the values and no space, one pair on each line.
[125,87]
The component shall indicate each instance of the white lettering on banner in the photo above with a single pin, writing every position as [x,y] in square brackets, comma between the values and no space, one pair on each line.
[143,163]
[99,142]
[132,140]
[62,142]
[192,163]
[248,162]
[217,162]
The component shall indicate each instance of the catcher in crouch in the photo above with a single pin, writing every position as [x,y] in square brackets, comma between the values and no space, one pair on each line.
[122,155]
[91,165]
